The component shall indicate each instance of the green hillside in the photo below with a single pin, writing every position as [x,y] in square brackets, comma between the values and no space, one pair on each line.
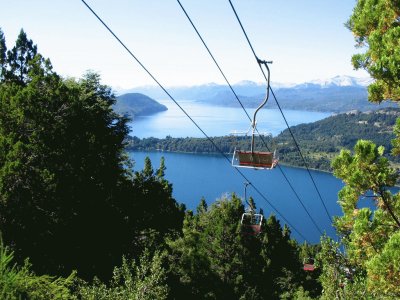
[136,104]
[322,140]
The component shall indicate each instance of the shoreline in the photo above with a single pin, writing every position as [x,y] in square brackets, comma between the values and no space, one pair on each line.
[228,154]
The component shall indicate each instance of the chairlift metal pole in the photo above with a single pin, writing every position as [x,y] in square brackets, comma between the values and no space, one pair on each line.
[246,183]
[253,125]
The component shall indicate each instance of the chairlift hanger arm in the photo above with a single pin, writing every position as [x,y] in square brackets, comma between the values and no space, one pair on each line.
[265,63]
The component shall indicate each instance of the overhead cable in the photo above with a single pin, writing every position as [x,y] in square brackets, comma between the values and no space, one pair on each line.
[283,115]
[190,118]
[244,109]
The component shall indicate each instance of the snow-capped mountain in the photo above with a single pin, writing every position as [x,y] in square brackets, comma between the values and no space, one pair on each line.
[342,80]
[249,88]
[337,81]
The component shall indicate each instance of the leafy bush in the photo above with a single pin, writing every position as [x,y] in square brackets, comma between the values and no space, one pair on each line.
[21,283]
[143,280]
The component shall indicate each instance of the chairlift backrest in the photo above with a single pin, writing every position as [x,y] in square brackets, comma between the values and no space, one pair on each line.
[255,160]
[308,264]
[251,223]
[308,267]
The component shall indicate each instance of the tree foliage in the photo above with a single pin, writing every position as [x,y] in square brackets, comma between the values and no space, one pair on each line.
[68,199]
[3,54]
[214,259]
[62,160]
[339,278]
[369,233]
[21,283]
[376,26]
[369,229]
[18,59]
[142,280]
[384,269]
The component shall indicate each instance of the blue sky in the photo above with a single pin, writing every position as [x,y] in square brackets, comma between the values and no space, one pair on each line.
[306,39]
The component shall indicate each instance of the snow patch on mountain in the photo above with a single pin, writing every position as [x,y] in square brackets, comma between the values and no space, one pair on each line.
[342,80]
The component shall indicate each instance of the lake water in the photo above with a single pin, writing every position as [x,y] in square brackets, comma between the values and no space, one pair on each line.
[214,120]
[211,176]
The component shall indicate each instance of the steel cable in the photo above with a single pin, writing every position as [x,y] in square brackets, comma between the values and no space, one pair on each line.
[283,115]
[244,109]
[190,118]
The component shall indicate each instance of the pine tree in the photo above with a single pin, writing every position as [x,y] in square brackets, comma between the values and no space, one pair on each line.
[142,280]
[370,235]
[18,59]
[3,55]
[375,25]
[367,233]
[214,259]
[67,198]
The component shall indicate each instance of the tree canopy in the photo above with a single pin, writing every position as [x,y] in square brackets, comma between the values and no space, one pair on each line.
[369,227]
[376,27]
[216,259]
[68,198]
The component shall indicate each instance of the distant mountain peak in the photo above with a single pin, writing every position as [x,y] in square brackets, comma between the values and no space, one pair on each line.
[249,83]
[339,81]
[342,80]
[248,88]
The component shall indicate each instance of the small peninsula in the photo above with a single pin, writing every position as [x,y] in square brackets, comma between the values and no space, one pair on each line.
[137,104]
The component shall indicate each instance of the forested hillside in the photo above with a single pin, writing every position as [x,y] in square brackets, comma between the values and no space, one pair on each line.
[320,141]
[136,104]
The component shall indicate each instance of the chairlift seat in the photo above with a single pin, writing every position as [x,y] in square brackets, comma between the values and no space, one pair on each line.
[255,159]
[308,264]
[251,223]
[308,267]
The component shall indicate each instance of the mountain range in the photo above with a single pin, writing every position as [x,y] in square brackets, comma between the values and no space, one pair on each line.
[337,94]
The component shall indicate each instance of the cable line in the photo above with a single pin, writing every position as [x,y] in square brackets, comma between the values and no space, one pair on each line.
[244,109]
[190,118]
[283,115]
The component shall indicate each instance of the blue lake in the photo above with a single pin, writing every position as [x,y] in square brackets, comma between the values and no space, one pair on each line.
[215,120]
[211,176]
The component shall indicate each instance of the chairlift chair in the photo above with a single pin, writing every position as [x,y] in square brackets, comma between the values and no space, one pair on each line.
[251,223]
[308,264]
[256,159]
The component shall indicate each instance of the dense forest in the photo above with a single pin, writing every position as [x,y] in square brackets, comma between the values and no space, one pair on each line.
[319,141]
[78,222]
